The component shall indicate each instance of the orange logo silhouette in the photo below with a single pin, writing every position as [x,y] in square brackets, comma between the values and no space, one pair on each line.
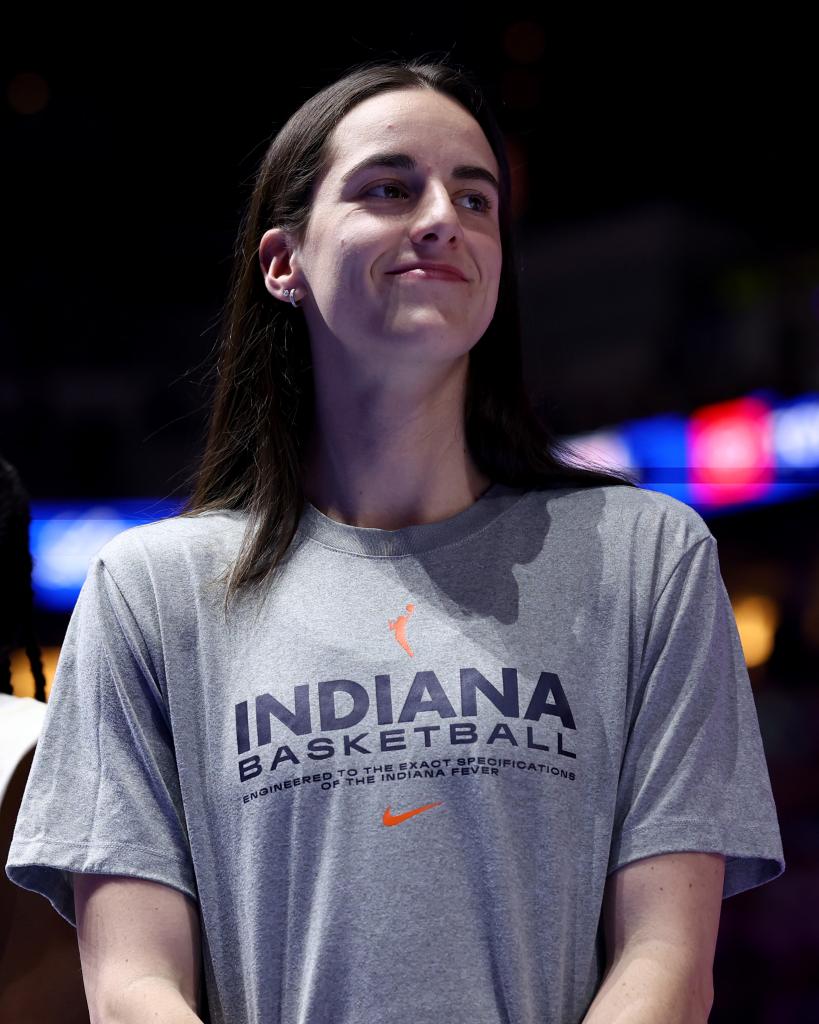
[396,819]
[399,627]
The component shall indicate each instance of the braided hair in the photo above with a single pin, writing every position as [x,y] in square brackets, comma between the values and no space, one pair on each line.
[16,596]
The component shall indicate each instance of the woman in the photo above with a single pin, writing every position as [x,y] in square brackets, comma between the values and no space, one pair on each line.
[466,692]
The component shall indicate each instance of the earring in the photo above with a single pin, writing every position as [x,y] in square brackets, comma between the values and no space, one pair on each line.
[291,292]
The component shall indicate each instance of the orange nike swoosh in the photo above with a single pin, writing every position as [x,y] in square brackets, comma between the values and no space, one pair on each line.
[396,819]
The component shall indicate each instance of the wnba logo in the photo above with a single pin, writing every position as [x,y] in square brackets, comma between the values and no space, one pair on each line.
[399,627]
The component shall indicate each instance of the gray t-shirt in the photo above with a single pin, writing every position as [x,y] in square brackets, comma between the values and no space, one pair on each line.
[396,782]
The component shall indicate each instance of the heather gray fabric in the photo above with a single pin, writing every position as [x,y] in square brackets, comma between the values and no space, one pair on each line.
[551,680]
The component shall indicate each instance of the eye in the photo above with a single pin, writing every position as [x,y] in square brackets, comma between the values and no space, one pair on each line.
[485,200]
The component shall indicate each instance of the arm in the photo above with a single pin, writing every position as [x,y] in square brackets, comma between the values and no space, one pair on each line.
[139,947]
[152,999]
[661,917]
[40,977]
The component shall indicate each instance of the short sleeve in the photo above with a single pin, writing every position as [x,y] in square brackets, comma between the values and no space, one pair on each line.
[103,793]
[693,774]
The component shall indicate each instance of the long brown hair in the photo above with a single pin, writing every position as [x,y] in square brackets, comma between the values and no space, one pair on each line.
[263,402]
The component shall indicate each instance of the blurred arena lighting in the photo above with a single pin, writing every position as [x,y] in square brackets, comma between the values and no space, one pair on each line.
[732,455]
[757,619]
[65,536]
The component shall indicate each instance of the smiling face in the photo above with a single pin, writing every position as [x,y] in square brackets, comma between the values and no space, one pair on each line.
[367,223]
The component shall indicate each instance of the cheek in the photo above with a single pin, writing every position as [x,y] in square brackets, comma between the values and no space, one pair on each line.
[492,261]
[353,253]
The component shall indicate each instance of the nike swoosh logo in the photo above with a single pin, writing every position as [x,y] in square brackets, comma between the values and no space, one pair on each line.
[396,819]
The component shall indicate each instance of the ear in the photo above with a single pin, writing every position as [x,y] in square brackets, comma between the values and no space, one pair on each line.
[277,261]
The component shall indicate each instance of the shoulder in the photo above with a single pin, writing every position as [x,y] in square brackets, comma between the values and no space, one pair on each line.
[668,520]
[657,536]
[624,525]
[167,556]
[173,535]
[620,508]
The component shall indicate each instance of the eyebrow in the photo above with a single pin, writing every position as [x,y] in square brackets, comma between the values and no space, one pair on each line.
[403,161]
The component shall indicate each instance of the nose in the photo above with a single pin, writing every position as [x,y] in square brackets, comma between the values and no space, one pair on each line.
[436,214]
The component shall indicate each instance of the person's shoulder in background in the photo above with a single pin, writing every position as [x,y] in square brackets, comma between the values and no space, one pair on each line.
[40,970]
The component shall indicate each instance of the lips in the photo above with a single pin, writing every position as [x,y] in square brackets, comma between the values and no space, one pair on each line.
[431,271]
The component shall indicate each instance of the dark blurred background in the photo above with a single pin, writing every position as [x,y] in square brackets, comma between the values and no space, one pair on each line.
[667,215]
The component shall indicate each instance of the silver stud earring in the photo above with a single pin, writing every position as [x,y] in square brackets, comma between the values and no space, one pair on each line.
[291,292]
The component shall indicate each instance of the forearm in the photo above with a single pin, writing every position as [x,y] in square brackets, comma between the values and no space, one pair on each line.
[152,999]
[650,985]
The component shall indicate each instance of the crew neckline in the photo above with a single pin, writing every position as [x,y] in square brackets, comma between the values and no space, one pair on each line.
[373,541]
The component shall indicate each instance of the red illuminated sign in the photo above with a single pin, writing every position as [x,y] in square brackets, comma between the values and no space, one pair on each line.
[731,452]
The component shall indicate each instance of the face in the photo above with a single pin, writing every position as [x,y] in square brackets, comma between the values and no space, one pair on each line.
[365,225]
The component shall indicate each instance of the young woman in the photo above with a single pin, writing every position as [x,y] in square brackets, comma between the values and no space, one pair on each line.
[405,718]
